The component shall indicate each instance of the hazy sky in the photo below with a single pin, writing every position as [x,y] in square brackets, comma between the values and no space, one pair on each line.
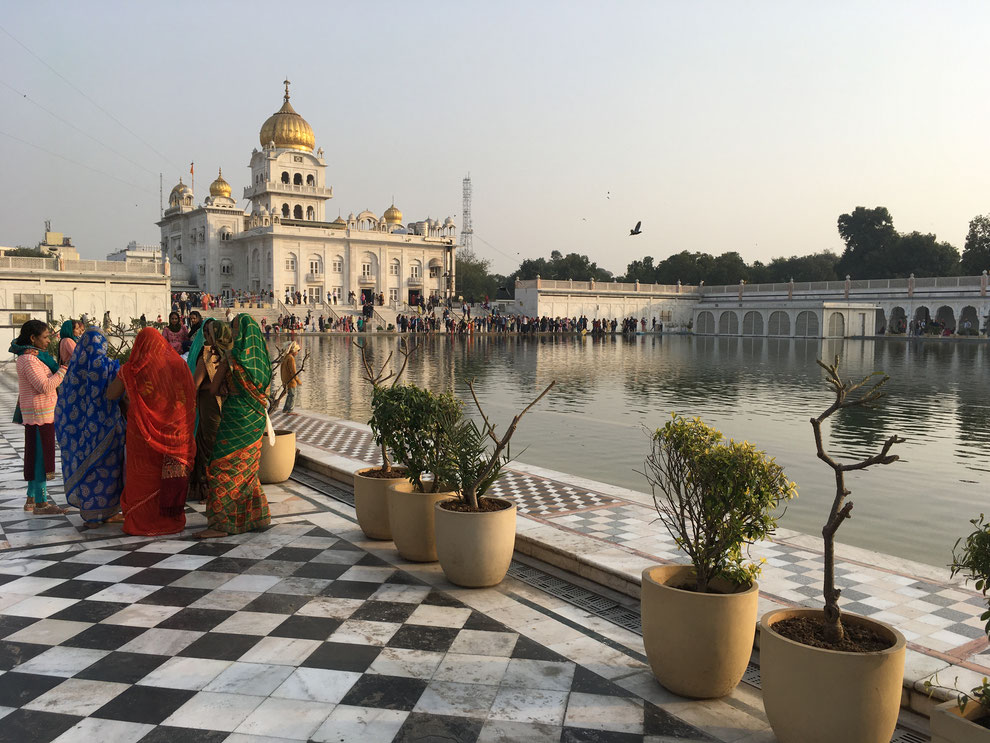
[745,126]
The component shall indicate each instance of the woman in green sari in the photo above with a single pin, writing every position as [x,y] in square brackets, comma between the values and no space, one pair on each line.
[210,345]
[235,502]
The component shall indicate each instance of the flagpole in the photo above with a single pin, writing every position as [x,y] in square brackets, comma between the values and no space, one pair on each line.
[192,175]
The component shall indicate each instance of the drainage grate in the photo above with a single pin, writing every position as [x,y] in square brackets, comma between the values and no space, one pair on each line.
[578,596]
[322,486]
[909,736]
[752,676]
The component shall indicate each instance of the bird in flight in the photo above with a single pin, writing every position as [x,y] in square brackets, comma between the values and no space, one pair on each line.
[608,195]
[635,230]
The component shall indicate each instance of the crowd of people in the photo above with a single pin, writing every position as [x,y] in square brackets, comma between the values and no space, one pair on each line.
[138,439]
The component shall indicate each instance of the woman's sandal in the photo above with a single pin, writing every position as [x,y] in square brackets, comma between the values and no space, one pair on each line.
[29,504]
[50,509]
[117,518]
[210,534]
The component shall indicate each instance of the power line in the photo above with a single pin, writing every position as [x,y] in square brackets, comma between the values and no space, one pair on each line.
[511,257]
[80,92]
[73,126]
[75,162]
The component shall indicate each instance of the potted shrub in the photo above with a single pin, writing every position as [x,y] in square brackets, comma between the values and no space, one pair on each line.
[827,676]
[714,497]
[475,534]
[967,719]
[371,483]
[418,436]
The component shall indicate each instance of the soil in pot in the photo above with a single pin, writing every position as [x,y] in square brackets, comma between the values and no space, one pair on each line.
[378,474]
[811,631]
[485,505]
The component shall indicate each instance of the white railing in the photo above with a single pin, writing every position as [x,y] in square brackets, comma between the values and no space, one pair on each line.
[114,267]
[927,284]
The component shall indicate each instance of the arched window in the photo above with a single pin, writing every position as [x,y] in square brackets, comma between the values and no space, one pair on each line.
[297,212]
[310,180]
[297,179]
[256,262]
[415,270]
[285,176]
[315,265]
[225,267]
[337,265]
[393,267]
[290,261]
[310,213]
[285,210]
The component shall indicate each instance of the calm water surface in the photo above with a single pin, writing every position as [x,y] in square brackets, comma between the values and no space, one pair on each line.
[763,390]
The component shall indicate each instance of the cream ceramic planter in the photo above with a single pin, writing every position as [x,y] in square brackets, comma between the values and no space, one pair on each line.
[698,644]
[475,549]
[277,461]
[813,695]
[949,725]
[371,502]
[411,519]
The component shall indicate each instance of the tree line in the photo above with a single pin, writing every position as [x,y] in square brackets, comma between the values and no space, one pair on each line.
[874,249]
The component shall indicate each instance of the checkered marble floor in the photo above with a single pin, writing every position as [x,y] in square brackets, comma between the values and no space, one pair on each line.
[292,634]
[937,619]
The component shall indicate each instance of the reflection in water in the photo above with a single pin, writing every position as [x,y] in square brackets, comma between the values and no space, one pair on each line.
[761,389]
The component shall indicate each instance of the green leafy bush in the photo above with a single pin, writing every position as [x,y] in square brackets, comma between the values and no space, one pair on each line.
[419,425]
[714,496]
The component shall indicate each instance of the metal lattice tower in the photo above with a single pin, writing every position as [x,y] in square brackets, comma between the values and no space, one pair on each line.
[467,233]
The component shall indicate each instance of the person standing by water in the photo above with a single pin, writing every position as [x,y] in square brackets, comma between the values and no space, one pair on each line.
[38,377]
[212,344]
[290,377]
[90,432]
[69,334]
[236,502]
[176,333]
[161,412]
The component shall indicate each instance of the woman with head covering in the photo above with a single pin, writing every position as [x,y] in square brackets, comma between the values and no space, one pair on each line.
[161,449]
[290,376]
[90,432]
[209,346]
[235,502]
[38,377]
[195,322]
[176,333]
[69,333]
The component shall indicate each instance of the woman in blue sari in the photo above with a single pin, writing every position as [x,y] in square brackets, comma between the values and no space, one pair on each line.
[90,431]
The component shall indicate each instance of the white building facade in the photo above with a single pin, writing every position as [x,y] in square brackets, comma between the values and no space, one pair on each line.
[282,242]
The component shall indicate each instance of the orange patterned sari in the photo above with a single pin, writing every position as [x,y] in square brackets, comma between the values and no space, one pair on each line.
[161,447]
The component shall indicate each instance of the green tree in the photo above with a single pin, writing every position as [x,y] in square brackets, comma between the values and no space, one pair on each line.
[21,252]
[976,252]
[870,238]
[728,268]
[641,270]
[922,255]
[561,268]
[474,279]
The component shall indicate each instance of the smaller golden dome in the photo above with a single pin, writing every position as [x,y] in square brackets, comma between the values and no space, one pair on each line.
[220,187]
[339,220]
[393,215]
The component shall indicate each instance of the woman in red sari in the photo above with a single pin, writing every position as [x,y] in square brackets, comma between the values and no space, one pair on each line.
[161,447]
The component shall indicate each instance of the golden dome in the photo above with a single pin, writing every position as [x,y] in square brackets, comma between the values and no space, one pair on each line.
[339,220]
[392,215]
[287,129]
[220,187]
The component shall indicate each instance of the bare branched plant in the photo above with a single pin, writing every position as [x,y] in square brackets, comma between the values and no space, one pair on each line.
[863,393]
[378,378]
[279,393]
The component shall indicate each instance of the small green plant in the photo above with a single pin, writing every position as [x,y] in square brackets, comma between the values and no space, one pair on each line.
[972,560]
[714,497]
[384,413]
[419,425]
